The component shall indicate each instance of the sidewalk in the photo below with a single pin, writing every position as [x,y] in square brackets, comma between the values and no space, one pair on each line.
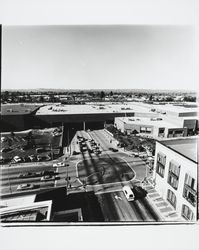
[163,208]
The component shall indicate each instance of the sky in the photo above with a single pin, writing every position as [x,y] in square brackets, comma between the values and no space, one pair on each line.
[98,57]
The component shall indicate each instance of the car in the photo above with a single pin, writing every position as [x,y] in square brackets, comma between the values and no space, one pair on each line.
[26,159]
[25,186]
[47,178]
[139,192]
[29,175]
[32,158]
[4,150]
[135,154]
[128,193]
[76,153]
[17,159]
[46,172]
[59,164]
[113,149]
[40,150]
[3,139]
[39,158]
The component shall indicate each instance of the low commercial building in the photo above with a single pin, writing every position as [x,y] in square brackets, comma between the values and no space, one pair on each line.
[152,127]
[175,175]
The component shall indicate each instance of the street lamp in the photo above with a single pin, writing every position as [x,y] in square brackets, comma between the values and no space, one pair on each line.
[9,179]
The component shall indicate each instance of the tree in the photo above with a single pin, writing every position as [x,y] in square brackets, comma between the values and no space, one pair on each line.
[150,98]
[102,95]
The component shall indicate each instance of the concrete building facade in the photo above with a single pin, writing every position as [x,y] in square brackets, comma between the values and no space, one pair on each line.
[175,175]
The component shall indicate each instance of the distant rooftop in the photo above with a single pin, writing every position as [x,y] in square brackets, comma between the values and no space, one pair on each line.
[186,146]
[172,108]
[175,108]
[148,121]
[18,109]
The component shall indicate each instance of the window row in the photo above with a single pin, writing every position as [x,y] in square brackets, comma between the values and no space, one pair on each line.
[189,190]
[186,211]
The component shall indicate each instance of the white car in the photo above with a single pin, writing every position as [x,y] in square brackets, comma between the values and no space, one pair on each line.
[17,159]
[59,164]
[47,178]
[25,186]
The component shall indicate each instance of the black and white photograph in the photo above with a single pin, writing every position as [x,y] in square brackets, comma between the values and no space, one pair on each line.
[98,154]
[99,124]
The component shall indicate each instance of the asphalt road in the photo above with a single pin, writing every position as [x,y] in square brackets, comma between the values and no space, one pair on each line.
[116,207]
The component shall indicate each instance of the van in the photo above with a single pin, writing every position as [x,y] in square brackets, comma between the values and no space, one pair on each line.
[128,193]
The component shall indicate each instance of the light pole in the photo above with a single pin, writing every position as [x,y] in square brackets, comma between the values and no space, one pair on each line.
[67,181]
[9,179]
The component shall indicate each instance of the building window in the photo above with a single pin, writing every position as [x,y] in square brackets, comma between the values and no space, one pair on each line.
[187,213]
[161,132]
[171,198]
[148,130]
[142,130]
[173,176]
[161,162]
[189,192]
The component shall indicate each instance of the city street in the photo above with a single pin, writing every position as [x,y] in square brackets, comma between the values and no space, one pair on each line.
[105,174]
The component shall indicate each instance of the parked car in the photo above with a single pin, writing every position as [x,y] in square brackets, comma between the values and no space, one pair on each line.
[32,157]
[46,172]
[59,164]
[113,149]
[25,186]
[39,158]
[3,139]
[47,178]
[4,150]
[76,153]
[17,159]
[40,150]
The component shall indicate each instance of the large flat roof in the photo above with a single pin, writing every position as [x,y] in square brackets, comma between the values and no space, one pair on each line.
[88,109]
[187,147]
[148,121]
[170,107]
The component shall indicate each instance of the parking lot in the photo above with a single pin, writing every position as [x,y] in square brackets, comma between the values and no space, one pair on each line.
[31,145]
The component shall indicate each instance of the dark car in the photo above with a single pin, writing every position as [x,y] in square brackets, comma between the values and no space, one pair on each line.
[113,149]
[139,192]
[4,150]
[46,172]
[76,153]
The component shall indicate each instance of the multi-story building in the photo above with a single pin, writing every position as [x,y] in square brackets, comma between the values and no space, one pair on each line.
[175,175]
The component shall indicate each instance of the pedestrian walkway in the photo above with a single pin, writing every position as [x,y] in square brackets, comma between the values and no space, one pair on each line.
[163,208]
